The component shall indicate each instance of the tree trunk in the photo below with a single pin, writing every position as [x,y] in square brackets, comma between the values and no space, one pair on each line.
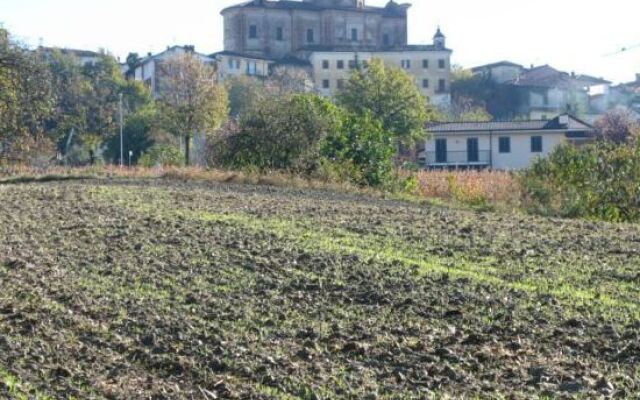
[187,150]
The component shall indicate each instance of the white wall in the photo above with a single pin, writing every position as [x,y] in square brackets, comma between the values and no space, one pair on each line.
[520,156]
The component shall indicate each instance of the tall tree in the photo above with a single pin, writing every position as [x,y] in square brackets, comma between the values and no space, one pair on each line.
[245,93]
[26,95]
[88,101]
[390,95]
[191,101]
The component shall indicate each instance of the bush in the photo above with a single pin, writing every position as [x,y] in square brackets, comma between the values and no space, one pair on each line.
[280,133]
[162,156]
[364,144]
[600,181]
[475,188]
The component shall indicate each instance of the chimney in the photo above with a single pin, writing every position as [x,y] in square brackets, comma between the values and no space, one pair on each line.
[564,120]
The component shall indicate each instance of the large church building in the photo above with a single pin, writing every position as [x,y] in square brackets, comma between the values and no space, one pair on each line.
[327,39]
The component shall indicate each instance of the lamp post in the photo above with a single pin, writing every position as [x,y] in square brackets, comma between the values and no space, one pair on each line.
[121,134]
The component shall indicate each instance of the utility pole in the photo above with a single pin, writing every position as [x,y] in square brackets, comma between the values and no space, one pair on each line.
[121,134]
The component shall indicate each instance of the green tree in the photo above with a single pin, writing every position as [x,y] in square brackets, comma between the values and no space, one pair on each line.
[190,99]
[132,60]
[88,103]
[245,93]
[500,101]
[140,134]
[466,109]
[280,133]
[363,143]
[390,95]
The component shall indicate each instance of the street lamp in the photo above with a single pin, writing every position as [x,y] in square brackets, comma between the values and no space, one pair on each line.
[121,134]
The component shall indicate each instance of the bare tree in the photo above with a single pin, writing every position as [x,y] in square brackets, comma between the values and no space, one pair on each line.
[617,126]
[284,81]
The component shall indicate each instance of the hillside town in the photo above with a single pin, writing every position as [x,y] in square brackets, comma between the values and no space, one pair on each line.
[316,45]
[327,207]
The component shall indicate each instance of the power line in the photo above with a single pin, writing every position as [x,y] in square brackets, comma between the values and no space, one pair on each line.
[623,50]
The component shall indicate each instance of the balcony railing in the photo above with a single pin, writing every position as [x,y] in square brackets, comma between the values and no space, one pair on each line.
[457,158]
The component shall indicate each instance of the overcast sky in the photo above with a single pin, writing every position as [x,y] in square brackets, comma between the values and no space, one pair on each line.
[568,34]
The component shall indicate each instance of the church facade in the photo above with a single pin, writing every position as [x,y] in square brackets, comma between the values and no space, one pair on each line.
[327,39]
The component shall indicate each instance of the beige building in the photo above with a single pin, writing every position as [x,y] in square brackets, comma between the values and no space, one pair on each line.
[327,39]
[428,66]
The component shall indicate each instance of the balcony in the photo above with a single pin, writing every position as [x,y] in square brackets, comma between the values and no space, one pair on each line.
[457,159]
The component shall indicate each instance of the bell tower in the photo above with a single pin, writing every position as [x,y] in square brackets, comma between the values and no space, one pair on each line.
[439,40]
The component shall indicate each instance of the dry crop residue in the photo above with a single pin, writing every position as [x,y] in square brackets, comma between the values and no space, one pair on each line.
[165,290]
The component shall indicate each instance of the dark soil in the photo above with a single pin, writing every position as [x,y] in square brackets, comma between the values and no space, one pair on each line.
[166,290]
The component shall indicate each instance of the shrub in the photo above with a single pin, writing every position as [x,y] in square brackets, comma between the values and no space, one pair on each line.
[618,126]
[279,133]
[601,181]
[364,144]
[162,156]
[477,188]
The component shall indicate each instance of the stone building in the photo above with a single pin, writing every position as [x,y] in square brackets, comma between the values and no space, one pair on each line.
[326,39]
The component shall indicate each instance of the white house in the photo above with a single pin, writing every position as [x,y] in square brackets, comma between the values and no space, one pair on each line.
[147,71]
[82,57]
[501,145]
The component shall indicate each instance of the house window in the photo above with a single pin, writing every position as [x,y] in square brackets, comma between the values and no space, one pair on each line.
[340,83]
[352,64]
[406,64]
[252,68]
[473,150]
[386,40]
[425,64]
[325,64]
[279,34]
[326,84]
[442,85]
[545,118]
[340,64]
[504,143]
[354,34]
[441,151]
[310,38]
[536,144]
[253,31]
[231,63]
[425,83]
[442,64]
